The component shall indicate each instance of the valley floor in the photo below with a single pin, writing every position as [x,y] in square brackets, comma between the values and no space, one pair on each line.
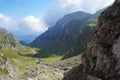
[41,71]
[23,66]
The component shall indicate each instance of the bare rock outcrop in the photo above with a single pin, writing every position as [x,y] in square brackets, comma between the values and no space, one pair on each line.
[101,60]
[7,70]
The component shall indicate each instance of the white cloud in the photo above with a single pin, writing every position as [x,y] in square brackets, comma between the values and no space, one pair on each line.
[90,6]
[33,24]
[28,25]
[71,2]
[30,28]
[63,7]
[5,21]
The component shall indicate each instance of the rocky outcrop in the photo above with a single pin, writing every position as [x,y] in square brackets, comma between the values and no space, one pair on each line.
[41,71]
[101,60]
[7,39]
[7,70]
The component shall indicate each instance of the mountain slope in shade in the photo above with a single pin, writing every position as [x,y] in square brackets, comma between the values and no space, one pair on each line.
[61,37]
[69,36]
[83,35]
[53,32]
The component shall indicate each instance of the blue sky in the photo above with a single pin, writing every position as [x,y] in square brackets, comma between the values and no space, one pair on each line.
[33,17]
[21,8]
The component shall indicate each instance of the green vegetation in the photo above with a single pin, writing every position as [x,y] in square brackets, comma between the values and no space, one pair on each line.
[19,61]
[3,71]
[51,58]
[91,25]
[6,38]
[47,55]
[71,40]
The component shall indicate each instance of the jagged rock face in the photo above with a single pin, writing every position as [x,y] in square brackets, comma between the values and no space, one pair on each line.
[101,60]
[102,57]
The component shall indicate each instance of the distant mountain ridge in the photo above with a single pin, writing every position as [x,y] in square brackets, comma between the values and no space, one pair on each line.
[55,40]
[53,31]
[68,36]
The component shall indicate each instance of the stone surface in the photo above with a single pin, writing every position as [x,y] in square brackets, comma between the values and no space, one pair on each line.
[92,78]
[102,56]
[7,69]
[117,1]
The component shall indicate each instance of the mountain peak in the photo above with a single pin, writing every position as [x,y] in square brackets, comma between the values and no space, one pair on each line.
[53,32]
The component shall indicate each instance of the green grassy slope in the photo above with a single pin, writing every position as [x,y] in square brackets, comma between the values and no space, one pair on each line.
[18,60]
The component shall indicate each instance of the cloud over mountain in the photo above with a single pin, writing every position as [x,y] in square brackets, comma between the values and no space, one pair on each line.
[28,25]
[90,6]
[62,7]
[32,24]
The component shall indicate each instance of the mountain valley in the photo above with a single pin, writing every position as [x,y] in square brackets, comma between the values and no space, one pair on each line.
[80,46]
[35,63]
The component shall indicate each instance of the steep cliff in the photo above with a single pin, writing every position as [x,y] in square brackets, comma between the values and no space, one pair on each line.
[101,60]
